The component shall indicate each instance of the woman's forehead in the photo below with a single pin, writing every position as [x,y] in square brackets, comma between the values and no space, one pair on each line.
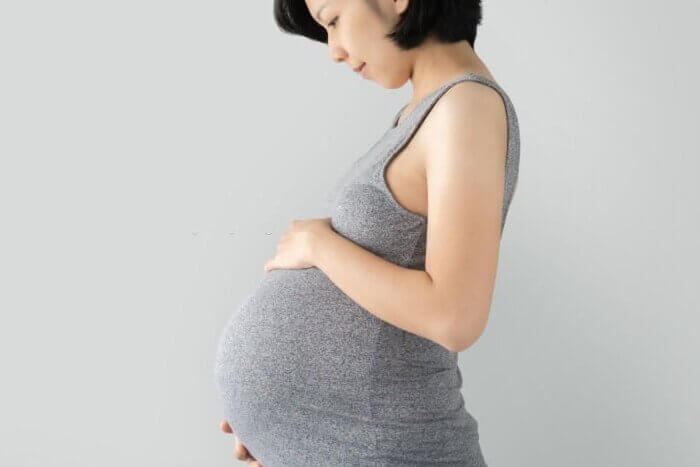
[316,7]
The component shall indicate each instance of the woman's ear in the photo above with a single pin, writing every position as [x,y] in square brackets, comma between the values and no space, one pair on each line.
[400,6]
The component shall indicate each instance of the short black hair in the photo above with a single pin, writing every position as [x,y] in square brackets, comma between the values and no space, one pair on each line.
[446,20]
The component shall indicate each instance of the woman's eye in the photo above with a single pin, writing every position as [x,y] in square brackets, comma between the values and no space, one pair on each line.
[332,23]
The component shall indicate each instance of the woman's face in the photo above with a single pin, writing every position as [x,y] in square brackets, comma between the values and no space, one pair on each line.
[356,35]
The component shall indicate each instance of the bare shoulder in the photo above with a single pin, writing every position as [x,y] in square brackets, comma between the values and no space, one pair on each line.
[467,111]
[466,140]
[466,101]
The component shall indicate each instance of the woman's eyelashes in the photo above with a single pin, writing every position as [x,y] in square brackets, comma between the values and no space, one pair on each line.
[332,23]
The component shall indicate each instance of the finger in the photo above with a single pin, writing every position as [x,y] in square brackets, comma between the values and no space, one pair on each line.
[240,451]
[225,427]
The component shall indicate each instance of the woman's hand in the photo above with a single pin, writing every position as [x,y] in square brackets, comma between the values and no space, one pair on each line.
[240,451]
[297,246]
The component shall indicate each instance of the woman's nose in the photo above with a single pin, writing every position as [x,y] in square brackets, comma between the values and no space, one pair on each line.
[337,53]
[337,57]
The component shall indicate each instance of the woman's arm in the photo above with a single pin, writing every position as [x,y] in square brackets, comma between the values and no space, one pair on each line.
[400,296]
[449,301]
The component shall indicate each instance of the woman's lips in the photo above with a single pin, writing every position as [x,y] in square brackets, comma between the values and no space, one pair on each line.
[362,70]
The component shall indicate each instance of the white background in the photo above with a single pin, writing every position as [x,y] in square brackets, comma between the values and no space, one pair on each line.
[153,152]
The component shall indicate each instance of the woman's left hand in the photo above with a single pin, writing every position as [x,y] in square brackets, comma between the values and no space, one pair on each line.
[296,247]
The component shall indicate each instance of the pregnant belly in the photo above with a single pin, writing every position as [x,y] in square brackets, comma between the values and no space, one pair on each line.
[300,364]
[298,329]
[295,352]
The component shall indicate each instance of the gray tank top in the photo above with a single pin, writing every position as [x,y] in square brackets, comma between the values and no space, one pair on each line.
[363,207]
[309,377]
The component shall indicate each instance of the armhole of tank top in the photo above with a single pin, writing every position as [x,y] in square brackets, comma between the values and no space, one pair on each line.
[408,131]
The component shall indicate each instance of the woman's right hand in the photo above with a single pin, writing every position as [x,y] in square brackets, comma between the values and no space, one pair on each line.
[240,451]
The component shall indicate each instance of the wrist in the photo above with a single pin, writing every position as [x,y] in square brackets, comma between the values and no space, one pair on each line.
[319,246]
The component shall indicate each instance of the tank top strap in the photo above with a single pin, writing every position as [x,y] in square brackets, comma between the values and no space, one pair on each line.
[400,133]
[413,120]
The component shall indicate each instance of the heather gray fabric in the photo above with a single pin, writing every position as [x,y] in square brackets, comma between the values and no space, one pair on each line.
[307,377]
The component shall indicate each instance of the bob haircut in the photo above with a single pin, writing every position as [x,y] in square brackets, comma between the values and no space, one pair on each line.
[447,20]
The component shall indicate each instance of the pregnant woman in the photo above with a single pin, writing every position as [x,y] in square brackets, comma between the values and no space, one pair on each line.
[345,353]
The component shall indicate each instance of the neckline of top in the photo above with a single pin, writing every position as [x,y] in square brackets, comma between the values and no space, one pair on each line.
[396,124]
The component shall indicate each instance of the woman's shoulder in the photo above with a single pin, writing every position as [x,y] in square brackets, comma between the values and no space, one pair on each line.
[465,101]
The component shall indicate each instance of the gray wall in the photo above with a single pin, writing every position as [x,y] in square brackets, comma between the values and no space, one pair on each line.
[154,152]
